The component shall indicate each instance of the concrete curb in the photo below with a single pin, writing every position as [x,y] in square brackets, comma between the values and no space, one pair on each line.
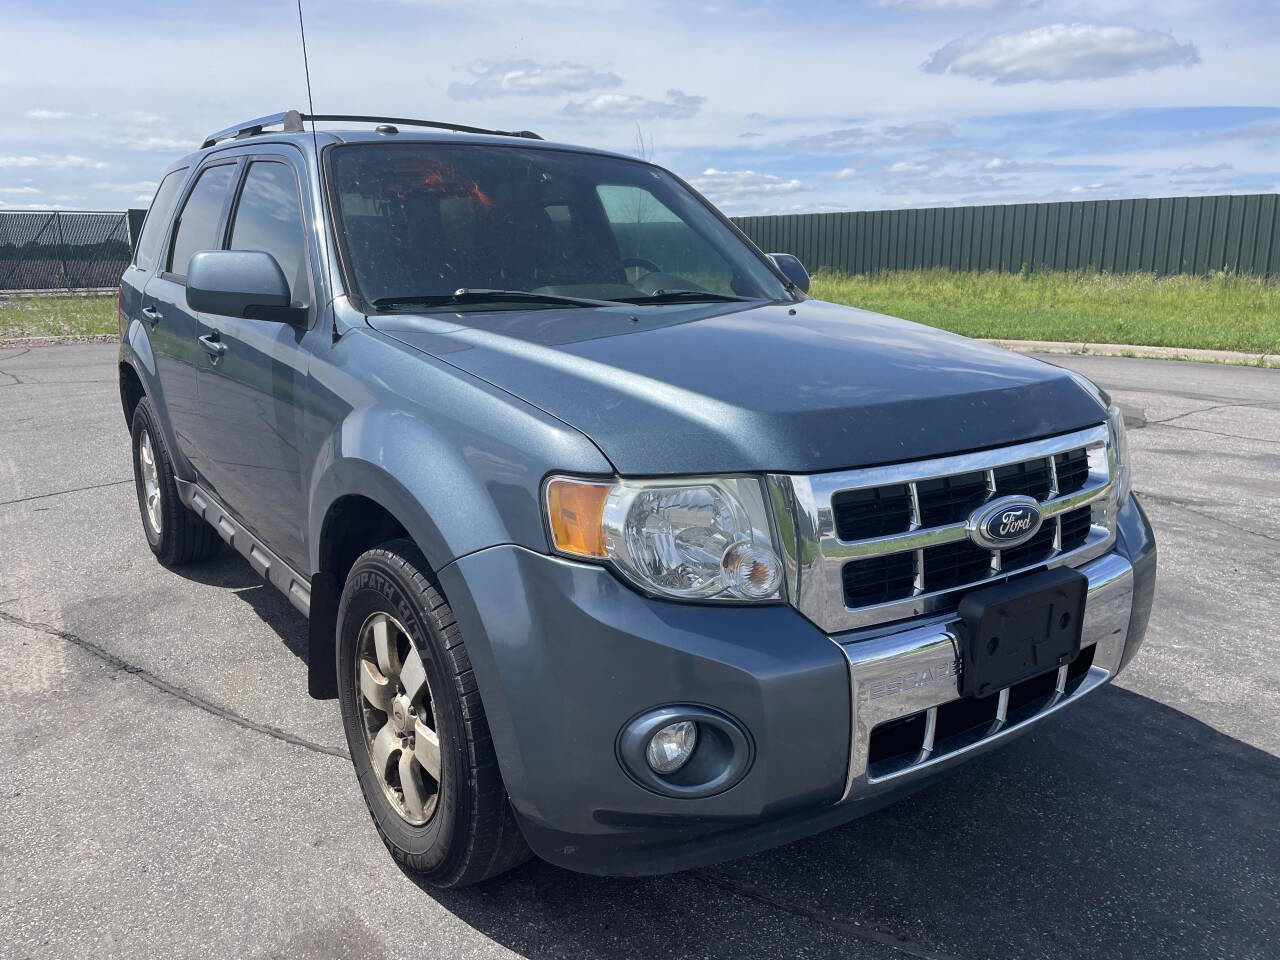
[1233,357]
[54,341]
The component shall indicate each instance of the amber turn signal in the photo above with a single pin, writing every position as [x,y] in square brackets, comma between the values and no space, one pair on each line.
[575,509]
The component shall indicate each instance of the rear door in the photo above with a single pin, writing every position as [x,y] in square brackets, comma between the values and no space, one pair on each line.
[253,391]
[198,226]
[146,255]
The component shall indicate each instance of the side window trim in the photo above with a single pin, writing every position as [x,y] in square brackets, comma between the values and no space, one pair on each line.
[180,207]
[308,242]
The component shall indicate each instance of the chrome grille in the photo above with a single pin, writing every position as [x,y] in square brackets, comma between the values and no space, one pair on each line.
[883,544]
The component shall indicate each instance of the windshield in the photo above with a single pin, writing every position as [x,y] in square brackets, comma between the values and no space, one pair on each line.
[420,222]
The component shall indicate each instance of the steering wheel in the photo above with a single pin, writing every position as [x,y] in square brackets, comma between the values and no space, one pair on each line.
[641,262]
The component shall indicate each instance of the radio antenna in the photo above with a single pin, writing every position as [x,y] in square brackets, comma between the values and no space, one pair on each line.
[315,142]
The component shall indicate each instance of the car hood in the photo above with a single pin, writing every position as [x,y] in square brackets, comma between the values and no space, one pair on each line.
[717,388]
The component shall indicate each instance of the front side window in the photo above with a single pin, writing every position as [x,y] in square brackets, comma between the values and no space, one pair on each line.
[268,217]
[422,220]
[157,221]
[198,222]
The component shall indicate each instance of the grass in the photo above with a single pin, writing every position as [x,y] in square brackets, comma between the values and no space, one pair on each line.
[1220,312]
[71,316]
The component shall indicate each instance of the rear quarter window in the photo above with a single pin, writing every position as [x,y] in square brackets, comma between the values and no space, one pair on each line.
[157,220]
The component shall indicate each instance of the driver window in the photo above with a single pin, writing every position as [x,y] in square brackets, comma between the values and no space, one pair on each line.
[653,240]
[269,218]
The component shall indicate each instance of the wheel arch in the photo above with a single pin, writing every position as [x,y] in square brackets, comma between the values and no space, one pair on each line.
[359,505]
[131,390]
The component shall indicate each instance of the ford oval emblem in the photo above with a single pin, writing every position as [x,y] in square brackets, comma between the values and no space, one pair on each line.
[1006,522]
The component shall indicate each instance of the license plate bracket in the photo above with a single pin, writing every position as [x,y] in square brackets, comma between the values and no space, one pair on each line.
[1017,630]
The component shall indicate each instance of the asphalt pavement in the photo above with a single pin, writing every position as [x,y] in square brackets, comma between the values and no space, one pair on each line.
[168,789]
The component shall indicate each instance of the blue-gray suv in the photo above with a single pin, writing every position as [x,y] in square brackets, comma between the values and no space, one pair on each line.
[617,548]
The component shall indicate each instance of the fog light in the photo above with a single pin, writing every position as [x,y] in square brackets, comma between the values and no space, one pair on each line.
[670,748]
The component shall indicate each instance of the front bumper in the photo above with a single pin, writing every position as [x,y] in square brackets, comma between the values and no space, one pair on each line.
[565,655]
[909,672]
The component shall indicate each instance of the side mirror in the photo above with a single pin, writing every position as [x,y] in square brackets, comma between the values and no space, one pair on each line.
[792,269]
[240,283]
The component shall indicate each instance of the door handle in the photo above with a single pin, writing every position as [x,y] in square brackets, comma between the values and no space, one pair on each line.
[152,314]
[213,345]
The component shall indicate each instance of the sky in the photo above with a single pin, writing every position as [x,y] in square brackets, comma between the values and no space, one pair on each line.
[765,106]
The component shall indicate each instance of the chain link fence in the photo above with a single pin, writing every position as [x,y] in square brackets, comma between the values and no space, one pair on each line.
[61,250]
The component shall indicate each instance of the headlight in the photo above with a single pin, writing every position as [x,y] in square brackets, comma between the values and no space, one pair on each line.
[690,539]
[1120,451]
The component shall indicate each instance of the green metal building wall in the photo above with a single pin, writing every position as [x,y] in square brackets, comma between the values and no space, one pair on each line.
[1169,235]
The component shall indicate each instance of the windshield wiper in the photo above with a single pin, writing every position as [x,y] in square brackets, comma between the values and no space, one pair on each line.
[685,296]
[480,295]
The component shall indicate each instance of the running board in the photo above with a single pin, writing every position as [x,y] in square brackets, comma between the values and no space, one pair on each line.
[269,566]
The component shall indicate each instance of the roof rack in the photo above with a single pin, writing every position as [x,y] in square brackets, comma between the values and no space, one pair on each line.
[291,122]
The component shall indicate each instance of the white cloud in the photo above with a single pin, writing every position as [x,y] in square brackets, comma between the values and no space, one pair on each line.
[1077,51]
[1005,165]
[145,185]
[848,173]
[851,138]
[164,143]
[960,6]
[46,115]
[678,106]
[922,131]
[33,206]
[1264,130]
[1209,177]
[18,190]
[906,166]
[1186,169]
[495,78]
[941,184]
[729,186]
[66,161]
[1095,188]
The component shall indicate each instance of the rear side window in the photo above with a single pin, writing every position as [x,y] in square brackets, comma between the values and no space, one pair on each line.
[269,218]
[197,227]
[153,230]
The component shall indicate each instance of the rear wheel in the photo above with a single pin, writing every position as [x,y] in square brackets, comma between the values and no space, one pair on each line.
[175,534]
[416,727]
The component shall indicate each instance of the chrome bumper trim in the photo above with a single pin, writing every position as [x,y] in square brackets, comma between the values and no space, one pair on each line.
[913,670]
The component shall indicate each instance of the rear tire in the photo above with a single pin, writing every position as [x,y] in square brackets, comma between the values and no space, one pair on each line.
[175,534]
[417,731]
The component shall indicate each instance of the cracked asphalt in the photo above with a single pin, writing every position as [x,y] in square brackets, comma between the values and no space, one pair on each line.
[167,788]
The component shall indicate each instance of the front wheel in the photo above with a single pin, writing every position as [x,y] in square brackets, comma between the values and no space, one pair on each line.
[415,724]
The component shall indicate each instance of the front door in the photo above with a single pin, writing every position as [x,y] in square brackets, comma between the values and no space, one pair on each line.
[252,384]
[172,324]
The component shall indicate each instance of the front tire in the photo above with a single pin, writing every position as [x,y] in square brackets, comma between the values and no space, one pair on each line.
[175,534]
[416,727]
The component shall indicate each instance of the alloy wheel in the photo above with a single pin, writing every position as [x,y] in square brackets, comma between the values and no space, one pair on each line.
[150,482]
[398,718]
